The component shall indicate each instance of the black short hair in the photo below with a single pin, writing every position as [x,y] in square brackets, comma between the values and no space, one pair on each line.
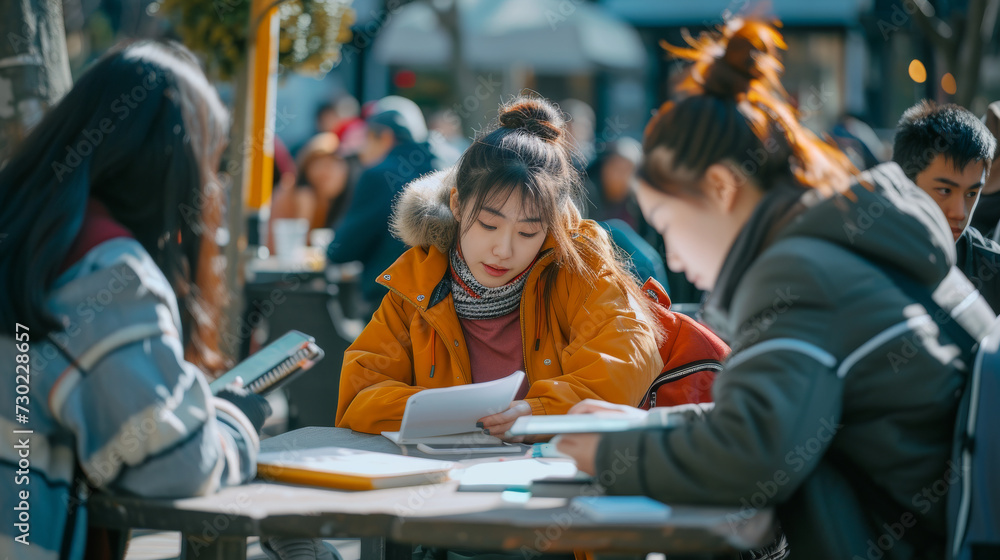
[927,130]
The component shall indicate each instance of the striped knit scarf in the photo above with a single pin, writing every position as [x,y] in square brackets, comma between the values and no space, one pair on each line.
[475,301]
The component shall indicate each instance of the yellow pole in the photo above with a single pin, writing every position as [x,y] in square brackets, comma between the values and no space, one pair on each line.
[259,171]
[253,118]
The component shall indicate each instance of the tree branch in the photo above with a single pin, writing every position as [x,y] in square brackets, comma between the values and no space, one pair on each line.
[990,15]
[935,29]
[970,53]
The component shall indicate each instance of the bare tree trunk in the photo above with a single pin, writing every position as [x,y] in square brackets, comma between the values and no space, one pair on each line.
[978,32]
[960,44]
[236,219]
[34,68]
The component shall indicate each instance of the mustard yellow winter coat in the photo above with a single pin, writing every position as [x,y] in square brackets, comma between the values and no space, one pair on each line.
[587,342]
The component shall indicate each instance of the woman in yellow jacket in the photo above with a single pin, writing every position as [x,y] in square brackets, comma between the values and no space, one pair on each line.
[503,274]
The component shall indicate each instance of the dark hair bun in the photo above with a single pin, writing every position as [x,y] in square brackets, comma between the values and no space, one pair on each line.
[535,116]
[751,54]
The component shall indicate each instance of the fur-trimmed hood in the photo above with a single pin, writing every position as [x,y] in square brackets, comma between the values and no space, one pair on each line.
[421,215]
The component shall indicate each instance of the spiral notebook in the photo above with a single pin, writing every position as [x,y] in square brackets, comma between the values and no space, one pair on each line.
[278,362]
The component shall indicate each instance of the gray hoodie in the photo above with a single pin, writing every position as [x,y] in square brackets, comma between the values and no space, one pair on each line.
[838,402]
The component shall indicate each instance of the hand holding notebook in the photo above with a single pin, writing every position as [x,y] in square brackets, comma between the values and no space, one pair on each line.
[274,364]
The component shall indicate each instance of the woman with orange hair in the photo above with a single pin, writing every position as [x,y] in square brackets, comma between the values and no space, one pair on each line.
[838,402]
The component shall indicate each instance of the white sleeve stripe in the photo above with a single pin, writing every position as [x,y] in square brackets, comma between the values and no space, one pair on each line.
[70,377]
[961,307]
[234,412]
[784,344]
[878,340]
[149,432]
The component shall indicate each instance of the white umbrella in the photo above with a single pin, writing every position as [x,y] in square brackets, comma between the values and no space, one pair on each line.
[551,36]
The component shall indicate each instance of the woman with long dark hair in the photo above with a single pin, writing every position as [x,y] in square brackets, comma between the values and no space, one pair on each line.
[838,401]
[111,294]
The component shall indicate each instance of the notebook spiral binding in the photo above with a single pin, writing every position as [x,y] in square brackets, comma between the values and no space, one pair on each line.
[290,364]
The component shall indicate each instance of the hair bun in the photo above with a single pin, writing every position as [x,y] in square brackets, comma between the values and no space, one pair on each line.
[536,117]
[751,54]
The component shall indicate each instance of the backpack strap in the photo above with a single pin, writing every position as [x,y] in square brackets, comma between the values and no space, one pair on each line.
[676,374]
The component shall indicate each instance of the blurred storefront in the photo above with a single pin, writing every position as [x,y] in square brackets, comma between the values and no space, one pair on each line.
[825,63]
[467,55]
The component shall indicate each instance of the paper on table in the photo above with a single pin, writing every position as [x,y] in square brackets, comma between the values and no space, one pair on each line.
[497,476]
[593,423]
[449,414]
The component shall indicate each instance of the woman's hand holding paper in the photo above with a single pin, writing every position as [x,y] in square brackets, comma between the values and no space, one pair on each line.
[498,424]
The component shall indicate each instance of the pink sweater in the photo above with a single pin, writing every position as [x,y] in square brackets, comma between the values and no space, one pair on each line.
[495,348]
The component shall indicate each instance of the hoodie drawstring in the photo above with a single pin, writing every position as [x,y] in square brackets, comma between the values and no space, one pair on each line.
[433,345]
[538,319]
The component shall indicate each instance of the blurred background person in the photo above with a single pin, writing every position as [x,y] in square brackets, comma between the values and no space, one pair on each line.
[858,141]
[326,118]
[609,183]
[610,191]
[987,213]
[395,152]
[582,123]
[447,126]
[320,193]
[348,126]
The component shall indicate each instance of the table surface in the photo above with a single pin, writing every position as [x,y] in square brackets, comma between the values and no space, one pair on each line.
[432,515]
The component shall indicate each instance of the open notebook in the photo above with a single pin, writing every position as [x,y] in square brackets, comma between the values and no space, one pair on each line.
[449,415]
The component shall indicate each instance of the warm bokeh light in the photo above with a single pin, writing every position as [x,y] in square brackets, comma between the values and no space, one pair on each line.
[917,71]
[948,84]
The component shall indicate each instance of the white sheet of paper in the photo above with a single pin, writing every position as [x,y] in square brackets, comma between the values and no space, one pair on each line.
[517,474]
[455,410]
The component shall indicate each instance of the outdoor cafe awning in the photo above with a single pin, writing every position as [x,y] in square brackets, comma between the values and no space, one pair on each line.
[551,36]
[670,13]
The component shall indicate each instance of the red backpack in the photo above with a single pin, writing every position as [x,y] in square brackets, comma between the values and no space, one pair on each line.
[692,356]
